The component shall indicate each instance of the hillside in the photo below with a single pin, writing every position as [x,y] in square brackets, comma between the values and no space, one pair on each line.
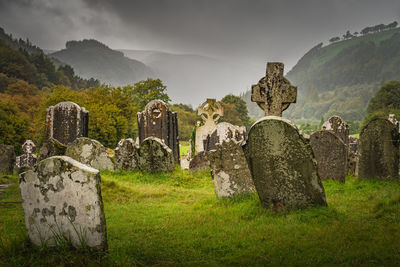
[91,58]
[341,78]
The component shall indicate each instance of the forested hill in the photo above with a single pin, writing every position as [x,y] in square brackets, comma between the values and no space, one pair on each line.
[341,78]
[90,58]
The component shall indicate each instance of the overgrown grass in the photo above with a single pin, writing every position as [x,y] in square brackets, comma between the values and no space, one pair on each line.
[175,219]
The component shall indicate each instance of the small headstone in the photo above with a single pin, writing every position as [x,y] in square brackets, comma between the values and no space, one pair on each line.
[225,131]
[199,162]
[353,156]
[51,147]
[379,150]
[229,169]
[61,198]
[337,125]
[7,159]
[331,155]
[90,152]
[28,159]
[210,112]
[155,156]
[157,121]
[66,121]
[126,155]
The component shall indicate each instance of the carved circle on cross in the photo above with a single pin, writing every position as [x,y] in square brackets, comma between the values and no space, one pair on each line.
[210,110]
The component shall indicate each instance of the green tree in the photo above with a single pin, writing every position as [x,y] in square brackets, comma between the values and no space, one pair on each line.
[187,118]
[150,89]
[235,111]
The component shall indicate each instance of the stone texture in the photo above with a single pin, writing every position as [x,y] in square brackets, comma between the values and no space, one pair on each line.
[331,155]
[274,93]
[224,131]
[353,156]
[90,152]
[51,147]
[155,156]
[28,159]
[379,150]
[62,197]
[210,112]
[282,165]
[157,121]
[337,125]
[392,119]
[199,162]
[66,121]
[7,158]
[126,155]
[229,169]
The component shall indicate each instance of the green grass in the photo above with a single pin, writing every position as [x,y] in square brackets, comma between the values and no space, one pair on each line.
[175,219]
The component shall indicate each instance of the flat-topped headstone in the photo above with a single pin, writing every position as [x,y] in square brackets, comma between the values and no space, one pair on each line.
[66,121]
[155,156]
[331,155]
[282,165]
[62,198]
[7,158]
[229,169]
[51,147]
[224,131]
[126,155]
[210,112]
[90,152]
[28,159]
[158,121]
[379,150]
[337,125]
[274,93]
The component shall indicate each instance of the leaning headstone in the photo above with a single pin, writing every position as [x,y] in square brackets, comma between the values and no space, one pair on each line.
[337,125]
[62,199]
[7,158]
[90,152]
[199,162]
[282,165]
[210,112]
[157,121]
[28,159]
[51,147]
[66,121]
[126,155]
[224,131]
[379,150]
[155,156]
[229,169]
[331,155]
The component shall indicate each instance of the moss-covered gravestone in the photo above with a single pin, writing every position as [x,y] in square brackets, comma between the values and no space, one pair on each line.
[126,155]
[7,158]
[379,150]
[331,155]
[51,147]
[155,156]
[62,199]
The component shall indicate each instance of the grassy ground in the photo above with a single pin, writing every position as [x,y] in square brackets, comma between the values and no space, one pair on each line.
[175,219]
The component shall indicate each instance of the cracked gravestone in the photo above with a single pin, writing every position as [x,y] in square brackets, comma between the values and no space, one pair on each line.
[379,150]
[28,159]
[90,152]
[51,147]
[66,121]
[337,125]
[62,198]
[126,155]
[7,159]
[229,170]
[155,156]
[331,155]
[158,121]
[224,131]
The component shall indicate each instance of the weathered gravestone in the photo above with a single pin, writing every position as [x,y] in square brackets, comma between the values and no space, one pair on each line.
[331,155]
[90,152]
[7,158]
[126,155]
[224,131]
[199,162]
[28,159]
[229,169]
[66,121]
[157,121]
[155,156]
[51,147]
[379,150]
[280,159]
[353,156]
[61,198]
[210,112]
[337,125]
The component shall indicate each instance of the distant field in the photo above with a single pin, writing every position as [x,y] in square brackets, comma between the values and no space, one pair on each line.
[175,219]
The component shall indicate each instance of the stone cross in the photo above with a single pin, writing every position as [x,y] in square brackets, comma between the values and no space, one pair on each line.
[208,110]
[28,159]
[274,93]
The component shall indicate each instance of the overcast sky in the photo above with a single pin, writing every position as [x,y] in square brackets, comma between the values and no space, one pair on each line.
[239,30]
